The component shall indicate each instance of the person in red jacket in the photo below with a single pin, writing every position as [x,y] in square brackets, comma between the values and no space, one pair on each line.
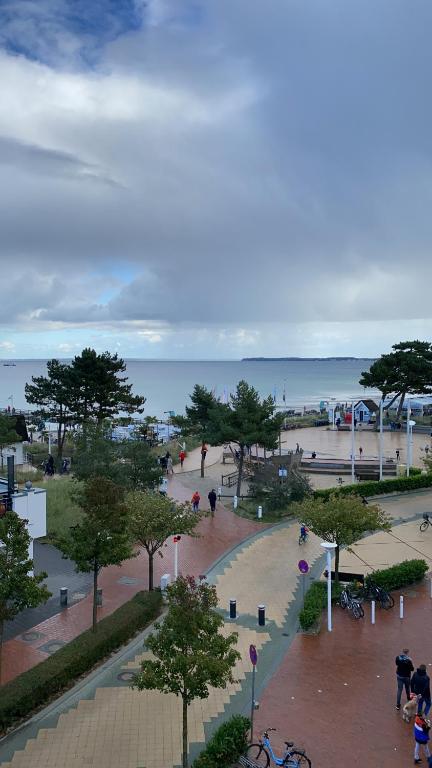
[182,456]
[196,498]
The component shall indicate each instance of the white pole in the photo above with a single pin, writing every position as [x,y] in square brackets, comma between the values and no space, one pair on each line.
[260,515]
[235,502]
[329,591]
[431,587]
[401,607]
[408,436]
[49,440]
[352,444]
[381,436]
[373,611]
[176,559]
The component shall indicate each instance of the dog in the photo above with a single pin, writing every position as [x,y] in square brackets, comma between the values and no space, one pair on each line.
[410,708]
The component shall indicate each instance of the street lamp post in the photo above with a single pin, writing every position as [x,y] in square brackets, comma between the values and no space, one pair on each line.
[352,444]
[381,441]
[329,547]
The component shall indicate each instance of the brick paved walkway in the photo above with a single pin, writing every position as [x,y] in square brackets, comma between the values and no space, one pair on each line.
[335,693]
[217,536]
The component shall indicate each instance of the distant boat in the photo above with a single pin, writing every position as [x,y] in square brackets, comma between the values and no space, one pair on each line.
[10,364]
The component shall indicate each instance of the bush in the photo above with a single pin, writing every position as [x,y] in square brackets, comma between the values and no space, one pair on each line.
[377,487]
[38,685]
[226,745]
[399,575]
[314,603]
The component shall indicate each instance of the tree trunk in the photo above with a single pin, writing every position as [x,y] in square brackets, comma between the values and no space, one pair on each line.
[240,469]
[337,553]
[202,459]
[95,583]
[1,649]
[400,406]
[392,400]
[150,571]
[185,733]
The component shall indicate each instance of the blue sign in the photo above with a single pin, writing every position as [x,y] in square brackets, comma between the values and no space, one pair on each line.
[253,655]
[303,566]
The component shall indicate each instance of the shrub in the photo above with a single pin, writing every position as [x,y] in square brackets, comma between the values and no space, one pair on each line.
[399,575]
[377,487]
[36,686]
[226,745]
[314,603]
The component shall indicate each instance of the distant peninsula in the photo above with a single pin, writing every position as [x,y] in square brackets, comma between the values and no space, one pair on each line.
[303,359]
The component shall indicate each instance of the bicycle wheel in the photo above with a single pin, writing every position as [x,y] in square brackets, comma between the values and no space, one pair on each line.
[357,610]
[296,758]
[343,601]
[258,755]
[424,526]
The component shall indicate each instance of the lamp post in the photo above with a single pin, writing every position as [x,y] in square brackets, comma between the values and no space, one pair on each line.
[329,547]
[410,425]
[352,444]
[381,441]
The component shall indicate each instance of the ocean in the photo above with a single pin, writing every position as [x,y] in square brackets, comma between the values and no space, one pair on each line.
[167,383]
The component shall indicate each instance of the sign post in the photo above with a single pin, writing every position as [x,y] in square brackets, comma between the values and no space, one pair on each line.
[254,658]
[303,567]
[176,541]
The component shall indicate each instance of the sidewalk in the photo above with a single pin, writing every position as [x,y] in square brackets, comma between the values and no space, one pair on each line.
[217,536]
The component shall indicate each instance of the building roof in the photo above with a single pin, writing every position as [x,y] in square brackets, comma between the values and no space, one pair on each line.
[370,405]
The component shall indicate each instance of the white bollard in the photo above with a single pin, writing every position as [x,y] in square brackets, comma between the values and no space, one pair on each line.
[235,502]
[401,607]
[373,611]
[431,587]
[259,513]
[219,492]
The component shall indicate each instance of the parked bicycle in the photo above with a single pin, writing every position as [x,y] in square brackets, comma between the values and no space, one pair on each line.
[346,600]
[371,591]
[259,754]
[426,522]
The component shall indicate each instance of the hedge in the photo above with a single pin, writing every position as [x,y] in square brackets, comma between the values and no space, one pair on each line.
[314,603]
[38,685]
[226,745]
[377,487]
[399,575]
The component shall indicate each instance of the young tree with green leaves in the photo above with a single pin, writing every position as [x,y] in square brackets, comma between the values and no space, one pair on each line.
[342,520]
[99,390]
[199,417]
[191,653]
[246,421]
[406,370]
[153,518]
[102,537]
[19,589]
[53,395]
[8,434]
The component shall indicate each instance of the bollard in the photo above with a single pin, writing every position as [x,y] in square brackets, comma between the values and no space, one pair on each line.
[233,608]
[219,492]
[373,611]
[63,596]
[259,512]
[261,615]
[401,607]
[235,502]
[99,597]
[431,587]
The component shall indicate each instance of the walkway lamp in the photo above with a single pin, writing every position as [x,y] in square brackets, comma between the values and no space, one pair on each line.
[329,547]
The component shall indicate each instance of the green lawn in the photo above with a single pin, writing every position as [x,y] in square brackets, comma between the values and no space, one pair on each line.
[62,511]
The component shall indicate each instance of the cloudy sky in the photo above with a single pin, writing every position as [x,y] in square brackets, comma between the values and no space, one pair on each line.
[215,178]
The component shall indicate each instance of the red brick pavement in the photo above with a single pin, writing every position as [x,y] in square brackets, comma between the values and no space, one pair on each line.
[335,693]
[217,536]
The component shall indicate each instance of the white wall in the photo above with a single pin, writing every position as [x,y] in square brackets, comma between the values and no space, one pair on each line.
[17,450]
[31,506]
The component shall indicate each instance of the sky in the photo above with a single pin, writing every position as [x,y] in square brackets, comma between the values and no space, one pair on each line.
[215,178]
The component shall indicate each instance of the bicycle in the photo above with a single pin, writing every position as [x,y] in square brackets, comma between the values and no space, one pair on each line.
[426,522]
[346,600]
[259,754]
[372,591]
[303,539]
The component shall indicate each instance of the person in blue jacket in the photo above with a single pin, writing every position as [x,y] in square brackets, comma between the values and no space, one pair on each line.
[421,735]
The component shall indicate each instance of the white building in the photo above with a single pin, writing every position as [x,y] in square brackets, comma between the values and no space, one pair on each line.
[365,411]
[30,505]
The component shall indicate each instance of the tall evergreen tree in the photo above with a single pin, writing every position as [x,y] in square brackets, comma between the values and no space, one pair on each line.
[53,395]
[199,417]
[406,370]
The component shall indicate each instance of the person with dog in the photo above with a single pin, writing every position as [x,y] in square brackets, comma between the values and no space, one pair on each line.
[420,684]
[404,668]
[421,735]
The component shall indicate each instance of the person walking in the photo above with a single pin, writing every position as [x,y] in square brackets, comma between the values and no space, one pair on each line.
[196,498]
[404,667]
[212,501]
[169,466]
[49,466]
[397,454]
[420,685]
[182,456]
[360,451]
[421,735]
